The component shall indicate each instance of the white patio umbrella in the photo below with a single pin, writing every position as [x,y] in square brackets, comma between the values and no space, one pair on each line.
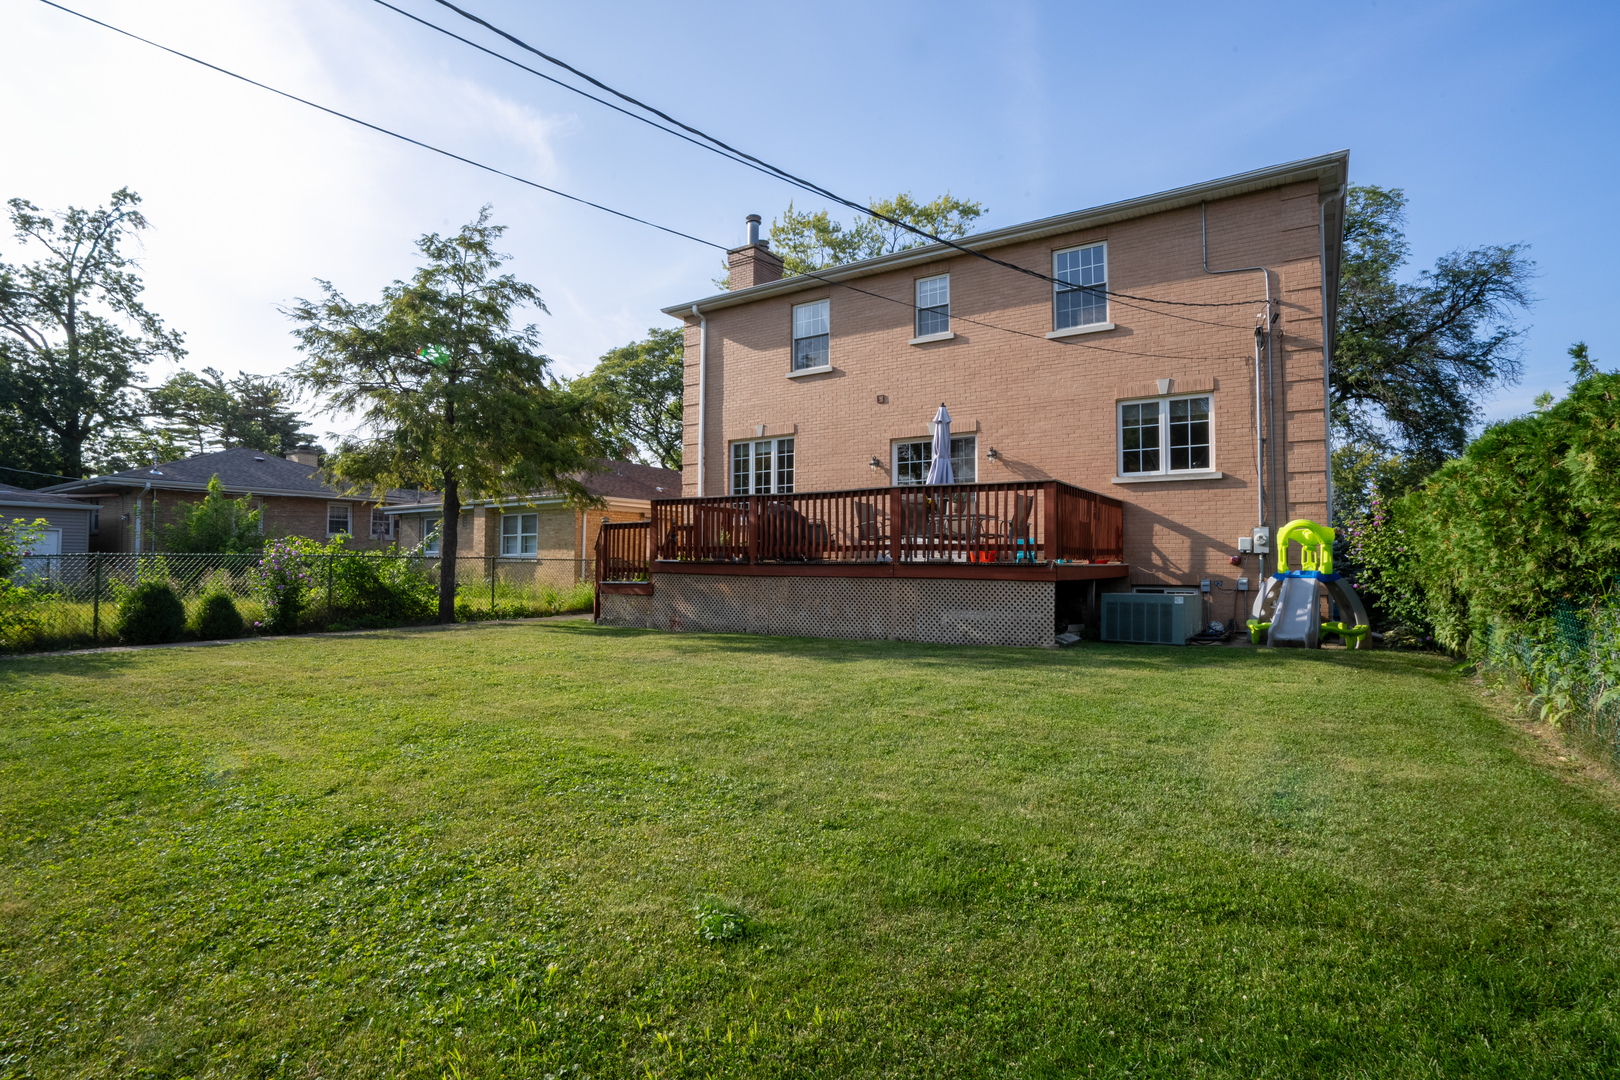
[940,471]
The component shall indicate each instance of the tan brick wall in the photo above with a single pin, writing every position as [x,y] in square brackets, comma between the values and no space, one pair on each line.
[1049,406]
[283,516]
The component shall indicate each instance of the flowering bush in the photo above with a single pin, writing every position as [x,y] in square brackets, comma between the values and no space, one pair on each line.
[282,579]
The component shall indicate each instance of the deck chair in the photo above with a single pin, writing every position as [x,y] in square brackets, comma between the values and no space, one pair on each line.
[1023,544]
[868,525]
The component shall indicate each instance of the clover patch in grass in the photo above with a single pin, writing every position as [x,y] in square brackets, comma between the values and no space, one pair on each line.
[719,921]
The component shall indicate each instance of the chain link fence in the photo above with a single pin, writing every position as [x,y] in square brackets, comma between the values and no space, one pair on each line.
[1570,667]
[68,601]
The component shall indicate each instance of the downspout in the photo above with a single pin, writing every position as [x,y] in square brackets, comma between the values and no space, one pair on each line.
[1259,434]
[703,384]
[138,498]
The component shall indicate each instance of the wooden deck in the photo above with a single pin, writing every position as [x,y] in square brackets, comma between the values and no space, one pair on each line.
[1028,531]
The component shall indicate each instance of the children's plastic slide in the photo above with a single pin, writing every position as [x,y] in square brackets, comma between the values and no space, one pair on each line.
[1287,611]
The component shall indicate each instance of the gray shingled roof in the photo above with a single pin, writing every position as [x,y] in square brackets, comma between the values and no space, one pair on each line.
[621,480]
[16,496]
[240,470]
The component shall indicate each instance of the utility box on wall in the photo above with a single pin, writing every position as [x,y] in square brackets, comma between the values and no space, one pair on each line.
[1151,618]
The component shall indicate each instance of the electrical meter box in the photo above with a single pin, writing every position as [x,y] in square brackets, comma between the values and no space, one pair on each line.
[1262,540]
[1151,618]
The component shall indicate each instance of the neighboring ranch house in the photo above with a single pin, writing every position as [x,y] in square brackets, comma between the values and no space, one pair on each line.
[1127,413]
[560,540]
[68,522]
[290,491]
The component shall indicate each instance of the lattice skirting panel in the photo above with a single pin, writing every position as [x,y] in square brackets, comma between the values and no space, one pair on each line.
[904,609]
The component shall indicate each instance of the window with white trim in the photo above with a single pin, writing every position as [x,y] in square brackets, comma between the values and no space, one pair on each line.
[811,332]
[762,467]
[430,545]
[382,525]
[934,305]
[1164,435]
[520,534]
[913,457]
[337,519]
[1080,295]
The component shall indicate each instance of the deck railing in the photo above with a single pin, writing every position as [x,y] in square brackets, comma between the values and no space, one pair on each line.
[1023,522]
[621,552]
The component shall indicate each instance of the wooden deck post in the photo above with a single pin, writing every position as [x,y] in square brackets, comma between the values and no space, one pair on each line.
[896,521]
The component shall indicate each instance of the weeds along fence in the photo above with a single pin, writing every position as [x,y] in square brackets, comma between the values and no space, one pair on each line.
[65,601]
[1569,664]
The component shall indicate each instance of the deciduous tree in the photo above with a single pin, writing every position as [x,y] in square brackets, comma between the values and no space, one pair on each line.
[452,394]
[638,389]
[74,335]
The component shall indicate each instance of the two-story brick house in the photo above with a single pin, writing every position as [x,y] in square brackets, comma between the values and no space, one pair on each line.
[1170,351]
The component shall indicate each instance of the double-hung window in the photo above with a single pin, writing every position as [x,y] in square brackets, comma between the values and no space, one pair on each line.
[762,467]
[1164,435]
[934,305]
[811,331]
[430,545]
[1080,295]
[520,534]
[382,525]
[913,457]
[337,519]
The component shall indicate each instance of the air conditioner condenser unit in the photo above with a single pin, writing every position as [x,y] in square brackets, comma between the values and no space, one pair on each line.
[1151,618]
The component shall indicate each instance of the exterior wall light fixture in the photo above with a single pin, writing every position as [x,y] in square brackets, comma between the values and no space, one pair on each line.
[992,454]
[875,464]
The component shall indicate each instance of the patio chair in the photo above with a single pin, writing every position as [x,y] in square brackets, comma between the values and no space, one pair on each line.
[1018,529]
[868,525]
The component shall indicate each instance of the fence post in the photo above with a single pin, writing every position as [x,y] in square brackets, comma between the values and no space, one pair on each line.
[95,605]
[492,586]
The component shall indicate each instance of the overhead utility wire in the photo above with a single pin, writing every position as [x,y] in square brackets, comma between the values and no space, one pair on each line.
[554,191]
[808,185]
[386,131]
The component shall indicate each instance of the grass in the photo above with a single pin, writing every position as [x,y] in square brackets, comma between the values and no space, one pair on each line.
[561,850]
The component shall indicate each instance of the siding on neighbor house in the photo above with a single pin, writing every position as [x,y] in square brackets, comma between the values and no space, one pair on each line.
[75,524]
[1049,406]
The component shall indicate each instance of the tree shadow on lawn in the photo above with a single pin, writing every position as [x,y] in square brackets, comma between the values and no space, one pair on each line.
[1147,659]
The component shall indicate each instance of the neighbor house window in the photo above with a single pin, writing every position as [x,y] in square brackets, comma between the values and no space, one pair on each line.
[520,534]
[430,546]
[337,518]
[382,525]
[1167,435]
[1080,296]
[934,305]
[810,334]
[95,522]
[913,458]
[762,467]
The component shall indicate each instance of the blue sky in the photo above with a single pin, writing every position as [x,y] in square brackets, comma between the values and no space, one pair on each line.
[1498,119]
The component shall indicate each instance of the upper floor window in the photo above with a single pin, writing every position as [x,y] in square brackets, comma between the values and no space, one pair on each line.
[811,330]
[913,457]
[520,534]
[934,305]
[1167,435]
[1081,296]
[762,467]
[337,519]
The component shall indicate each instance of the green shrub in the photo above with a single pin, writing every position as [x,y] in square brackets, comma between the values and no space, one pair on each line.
[150,614]
[383,590]
[217,617]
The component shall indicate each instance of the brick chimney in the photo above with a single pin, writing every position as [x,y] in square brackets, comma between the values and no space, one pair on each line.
[305,455]
[753,264]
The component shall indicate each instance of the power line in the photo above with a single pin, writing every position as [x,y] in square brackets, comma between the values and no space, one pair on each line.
[799,181]
[385,131]
[587,202]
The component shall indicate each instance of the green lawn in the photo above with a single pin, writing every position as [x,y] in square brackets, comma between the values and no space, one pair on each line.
[478,854]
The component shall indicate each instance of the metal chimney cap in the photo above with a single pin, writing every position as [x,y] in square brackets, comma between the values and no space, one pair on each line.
[753,228]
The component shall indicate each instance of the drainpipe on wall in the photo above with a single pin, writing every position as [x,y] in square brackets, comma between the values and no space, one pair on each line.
[1259,435]
[138,498]
[703,383]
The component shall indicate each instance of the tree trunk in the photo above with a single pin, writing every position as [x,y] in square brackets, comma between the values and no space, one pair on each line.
[447,547]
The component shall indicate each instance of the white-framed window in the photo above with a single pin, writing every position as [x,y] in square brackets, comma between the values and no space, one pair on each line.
[337,519]
[1080,298]
[382,525]
[912,458]
[811,332]
[762,467]
[934,305]
[520,534]
[1165,435]
[430,544]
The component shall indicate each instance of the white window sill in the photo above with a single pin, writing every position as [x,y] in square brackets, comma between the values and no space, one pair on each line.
[521,555]
[802,372]
[1089,328]
[1157,478]
[927,338]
